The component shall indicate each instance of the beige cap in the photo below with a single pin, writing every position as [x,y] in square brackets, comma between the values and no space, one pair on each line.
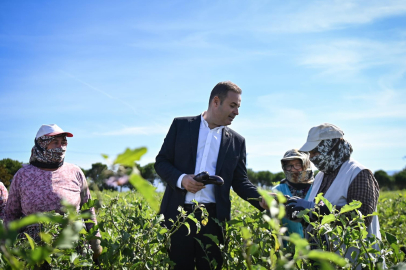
[322,132]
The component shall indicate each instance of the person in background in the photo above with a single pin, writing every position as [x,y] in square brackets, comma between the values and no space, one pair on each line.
[3,199]
[41,185]
[341,179]
[297,184]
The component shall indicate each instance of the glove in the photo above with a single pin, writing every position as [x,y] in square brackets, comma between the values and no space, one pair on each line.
[298,202]
[294,205]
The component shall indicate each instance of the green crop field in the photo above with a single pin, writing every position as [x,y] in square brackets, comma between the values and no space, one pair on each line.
[133,238]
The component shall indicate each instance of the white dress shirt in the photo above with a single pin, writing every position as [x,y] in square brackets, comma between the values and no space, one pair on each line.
[206,160]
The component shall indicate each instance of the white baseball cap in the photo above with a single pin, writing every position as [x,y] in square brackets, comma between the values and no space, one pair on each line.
[322,132]
[51,130]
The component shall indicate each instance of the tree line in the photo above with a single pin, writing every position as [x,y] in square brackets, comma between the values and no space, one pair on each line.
[99,172]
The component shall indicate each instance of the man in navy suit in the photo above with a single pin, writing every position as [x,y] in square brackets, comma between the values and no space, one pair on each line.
[196,144]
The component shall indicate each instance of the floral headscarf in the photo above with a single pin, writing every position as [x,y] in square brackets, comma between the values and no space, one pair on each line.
[47,158]
[306,175]
[333,153]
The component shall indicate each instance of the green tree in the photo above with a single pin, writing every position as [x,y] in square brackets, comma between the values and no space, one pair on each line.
[5,177]
[148,172]
[384,180]
[265,178]
[278,177]
[400,179]
[8,168]
[252,176]
[98,174]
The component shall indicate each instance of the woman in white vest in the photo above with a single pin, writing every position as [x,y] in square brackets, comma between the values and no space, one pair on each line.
[341,179]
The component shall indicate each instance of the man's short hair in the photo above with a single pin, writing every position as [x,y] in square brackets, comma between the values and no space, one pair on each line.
[221,90]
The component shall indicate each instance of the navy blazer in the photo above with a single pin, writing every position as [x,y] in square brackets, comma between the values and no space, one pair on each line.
[178,156]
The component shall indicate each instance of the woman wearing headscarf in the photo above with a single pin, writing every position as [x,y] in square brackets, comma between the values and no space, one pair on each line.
[341,179]
[298,181]
[41,185]
[3,199]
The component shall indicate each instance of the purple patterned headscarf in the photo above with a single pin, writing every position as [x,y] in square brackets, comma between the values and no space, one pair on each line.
[333,153]
[47,158]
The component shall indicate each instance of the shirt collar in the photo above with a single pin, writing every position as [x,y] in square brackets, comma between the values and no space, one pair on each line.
[204,122]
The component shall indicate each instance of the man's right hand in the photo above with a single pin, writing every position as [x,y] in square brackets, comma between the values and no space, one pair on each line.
[190,184]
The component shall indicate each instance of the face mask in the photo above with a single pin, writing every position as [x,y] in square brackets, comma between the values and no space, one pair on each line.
[299,177]
[332,153]
[47,158]
[306,175]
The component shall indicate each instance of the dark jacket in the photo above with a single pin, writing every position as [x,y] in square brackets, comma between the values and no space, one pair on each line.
[178,156]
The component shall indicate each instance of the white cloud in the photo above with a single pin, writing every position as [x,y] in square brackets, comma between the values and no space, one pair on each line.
[146,130]
[268,16]
[319,16]
[388,102]
[351,56]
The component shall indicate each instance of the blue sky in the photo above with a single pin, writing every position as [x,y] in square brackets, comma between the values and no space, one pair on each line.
[115,74]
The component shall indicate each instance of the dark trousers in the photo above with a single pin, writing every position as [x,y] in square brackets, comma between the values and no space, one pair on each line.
[187,253]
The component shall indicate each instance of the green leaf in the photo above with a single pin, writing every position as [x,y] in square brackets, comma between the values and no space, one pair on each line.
[192,217]
[326,266]
[277,244]
[213,238]
[350,207]
[354,255]
[105,156]
[90,203]
[163,230]
[73,257]
[130,156]
[246,234]
[391,238]
[327,256]
[327,203]
[188,227]
[31,241]
[35,218]
[327,219]
[253,249]
[40,254]
[200,243]
[270,201]
[146,189]
[318,198]
[306,218]
[282,211]
[69,235]
[300,243]
[47,238]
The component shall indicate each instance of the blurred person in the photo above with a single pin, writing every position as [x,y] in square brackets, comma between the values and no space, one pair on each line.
[193,145]
[3,199]
[297,184]
[41,185]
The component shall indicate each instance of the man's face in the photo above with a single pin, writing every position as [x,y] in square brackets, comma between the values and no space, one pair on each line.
[228,110]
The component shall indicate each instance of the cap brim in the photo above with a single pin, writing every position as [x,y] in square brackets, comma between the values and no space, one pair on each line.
[68,134]
[308,146]
[290,158]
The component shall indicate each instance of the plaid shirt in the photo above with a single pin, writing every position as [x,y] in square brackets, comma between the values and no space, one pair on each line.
[364,188]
